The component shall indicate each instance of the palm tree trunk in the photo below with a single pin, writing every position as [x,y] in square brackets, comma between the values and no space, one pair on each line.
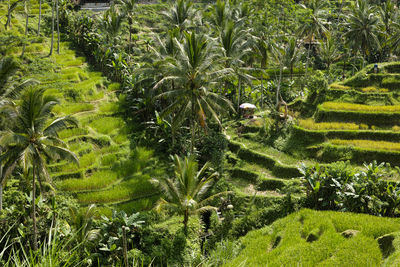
[278,88]
[185,222]
[125,249]
[34,210]
[52,30]
[26,28]
[58,28]
[239,89]
[130,37]
[192,126]
[1,197]
[262,92]
[8,22]
[40,16]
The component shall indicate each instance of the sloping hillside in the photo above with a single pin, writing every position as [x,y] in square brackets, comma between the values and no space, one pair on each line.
[323,238]
[111,172]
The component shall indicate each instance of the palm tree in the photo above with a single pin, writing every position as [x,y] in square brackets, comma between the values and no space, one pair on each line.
[194,70]
[362,28]
[52,27]
[128,7]
[40,17]
[328,52]
[292,55]
[220,13]
[180,14]
[186,193]
[236,44]
[9,91]
[315,23]
[263,47]
[26,10]
[111,23]
[32,139]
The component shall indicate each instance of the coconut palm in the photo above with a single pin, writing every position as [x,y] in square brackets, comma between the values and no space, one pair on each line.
[315,24]
[33,141]
[187,192]
[328,51]
[180,14]
[195,70]
[236,44]
[362,28]
[292,55]
[128,7]
[26,11]
[111,24]
[9,91]
[220,13]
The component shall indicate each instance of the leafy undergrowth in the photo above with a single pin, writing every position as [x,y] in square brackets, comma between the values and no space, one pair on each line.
[323,238]
[110,173]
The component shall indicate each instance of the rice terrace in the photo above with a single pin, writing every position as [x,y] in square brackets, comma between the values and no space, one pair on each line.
[199,133]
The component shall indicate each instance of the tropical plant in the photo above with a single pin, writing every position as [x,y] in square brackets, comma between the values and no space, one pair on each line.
[315,24]
[31,139]
[180,14]
[329,51]
[26,11]
[188,192]
[111,23]
[10,9]
[362,26]
[117,232]
[220,13]
[292,55]
[236,44]
[194,70]
[128,7]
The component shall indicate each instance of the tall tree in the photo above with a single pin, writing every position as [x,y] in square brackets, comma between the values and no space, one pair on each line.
[328,51]
[180,14]
[362,28]
[292,55]
[236,43]
[195,70]
[52,27]
[32,139]
[128,7]
[187,192]
[26,11]
[315,24]
[9,91]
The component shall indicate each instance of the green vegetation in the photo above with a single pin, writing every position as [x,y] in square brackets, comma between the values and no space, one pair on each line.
[124,88]
[320,237]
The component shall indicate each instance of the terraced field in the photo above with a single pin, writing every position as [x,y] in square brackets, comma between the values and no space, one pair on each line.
[259,170]
[360,122]
[110,173]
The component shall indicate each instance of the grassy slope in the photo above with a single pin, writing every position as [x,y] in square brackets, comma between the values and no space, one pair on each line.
[109,172]
[284,243]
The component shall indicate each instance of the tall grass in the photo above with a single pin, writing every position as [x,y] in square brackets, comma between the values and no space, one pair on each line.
[107,125]
[310,124]
[97,181]
[359,107]
[136,187]
[375,145]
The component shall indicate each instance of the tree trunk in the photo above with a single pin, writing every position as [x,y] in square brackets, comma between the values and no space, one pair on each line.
[185,222]
[262,93]
[1,197]
[26,28]
[125,249]
[58,28]
[239,89]
[278,88]
[52,29]
[130,37]
[35,247]
[40,17]
[192,126]
[8,22]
